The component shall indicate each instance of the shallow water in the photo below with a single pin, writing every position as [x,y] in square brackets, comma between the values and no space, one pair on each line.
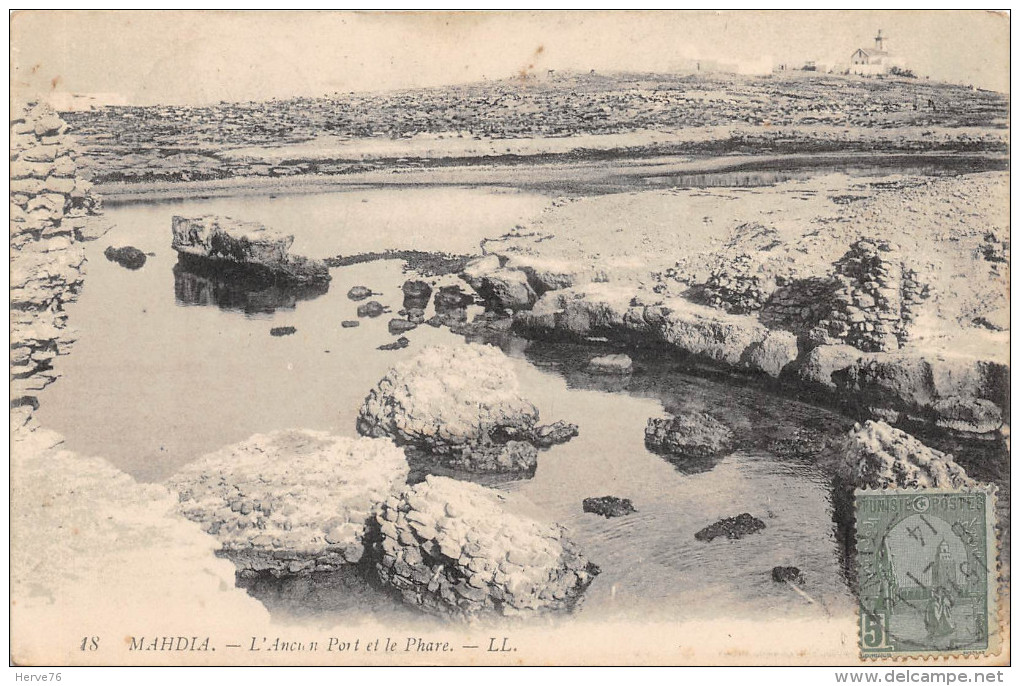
[754,174]
[171,366]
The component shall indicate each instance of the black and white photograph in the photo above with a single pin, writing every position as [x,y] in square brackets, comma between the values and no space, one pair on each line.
[501,338]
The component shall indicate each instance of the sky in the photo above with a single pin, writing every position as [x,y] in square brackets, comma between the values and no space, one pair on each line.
[190,57]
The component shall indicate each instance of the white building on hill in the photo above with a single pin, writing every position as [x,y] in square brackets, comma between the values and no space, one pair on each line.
[872,61]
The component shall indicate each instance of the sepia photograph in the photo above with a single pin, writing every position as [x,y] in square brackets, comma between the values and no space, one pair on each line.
[498,338]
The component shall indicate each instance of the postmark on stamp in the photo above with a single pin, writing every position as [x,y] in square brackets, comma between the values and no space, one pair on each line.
[926,571]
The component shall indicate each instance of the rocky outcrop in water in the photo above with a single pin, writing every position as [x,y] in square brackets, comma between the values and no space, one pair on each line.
[52,211]
[945,389]
[452,548]
[876,455]
[689,435]
[608,506]
[247,246]
[290,502]
[278,331]
[548,435]
[398,344]
[395,326]
[128,257]
[499,287]
[371,309]
[359,293]
[416,294]
[608,310]
[787,575]
[462,406]
[611,364]
[731,528]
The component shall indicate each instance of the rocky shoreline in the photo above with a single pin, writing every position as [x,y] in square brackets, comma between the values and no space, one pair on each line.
[870,329]
[841,327]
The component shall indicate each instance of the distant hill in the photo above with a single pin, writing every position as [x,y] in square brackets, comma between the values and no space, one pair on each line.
[546,105]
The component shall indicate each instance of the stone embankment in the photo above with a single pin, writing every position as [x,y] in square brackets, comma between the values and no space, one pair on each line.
[453,548]
[461,406]
[53,210]
[291,502]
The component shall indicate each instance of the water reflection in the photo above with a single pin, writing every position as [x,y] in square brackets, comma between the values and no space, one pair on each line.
[238,290]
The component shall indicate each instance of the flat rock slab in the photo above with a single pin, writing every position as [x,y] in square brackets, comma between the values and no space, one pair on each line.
[247,244]
[282,331]
[291,502]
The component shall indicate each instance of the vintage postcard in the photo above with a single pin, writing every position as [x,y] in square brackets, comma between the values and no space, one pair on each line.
[509,338]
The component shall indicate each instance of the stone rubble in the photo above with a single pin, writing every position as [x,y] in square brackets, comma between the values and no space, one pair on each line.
[453,548]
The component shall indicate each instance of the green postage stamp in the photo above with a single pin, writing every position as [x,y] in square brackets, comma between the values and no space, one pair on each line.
[927,572]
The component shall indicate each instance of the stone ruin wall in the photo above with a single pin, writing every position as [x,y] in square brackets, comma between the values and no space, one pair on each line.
[53,210]
[869,302]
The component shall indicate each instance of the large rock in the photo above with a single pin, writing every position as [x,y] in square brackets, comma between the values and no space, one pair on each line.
[817,365]
[461,404]
[690,435]
[876,455]
[499,287]
[940,387]
[773,353]
[246,245]
[452,548]
[967,415]
[291,502]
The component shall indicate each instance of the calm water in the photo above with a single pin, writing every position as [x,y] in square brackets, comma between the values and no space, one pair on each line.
[760,174]
[170,367]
